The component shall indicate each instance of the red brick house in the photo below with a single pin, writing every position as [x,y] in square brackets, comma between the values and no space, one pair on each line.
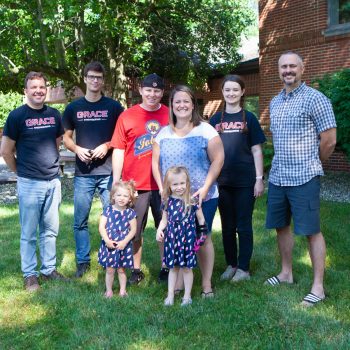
[319,30]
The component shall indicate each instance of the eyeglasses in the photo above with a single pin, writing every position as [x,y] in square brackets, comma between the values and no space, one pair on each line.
[94,77]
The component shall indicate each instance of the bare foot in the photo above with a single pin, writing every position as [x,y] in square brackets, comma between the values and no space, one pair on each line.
[108,294]
[169,301]
[123,294]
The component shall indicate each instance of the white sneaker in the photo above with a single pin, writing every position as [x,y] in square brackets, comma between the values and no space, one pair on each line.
[229,273]
[240,275]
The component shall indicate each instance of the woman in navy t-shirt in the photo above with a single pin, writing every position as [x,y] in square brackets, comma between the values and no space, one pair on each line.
[241,178]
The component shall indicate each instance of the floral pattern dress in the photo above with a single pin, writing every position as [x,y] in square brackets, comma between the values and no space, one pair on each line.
[180,235]
[117,227]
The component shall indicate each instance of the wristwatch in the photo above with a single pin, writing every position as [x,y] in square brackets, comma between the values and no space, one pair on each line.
[262,177]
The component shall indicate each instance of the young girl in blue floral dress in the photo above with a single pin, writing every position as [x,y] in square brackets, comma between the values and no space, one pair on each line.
[178,231]
[117,228]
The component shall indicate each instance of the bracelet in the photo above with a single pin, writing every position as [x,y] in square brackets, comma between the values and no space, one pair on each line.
[262,177]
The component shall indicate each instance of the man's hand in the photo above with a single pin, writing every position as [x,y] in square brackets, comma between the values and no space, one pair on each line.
[100,151]
[82,153]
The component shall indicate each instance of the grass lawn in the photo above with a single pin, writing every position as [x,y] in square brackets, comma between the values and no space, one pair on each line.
[74,315]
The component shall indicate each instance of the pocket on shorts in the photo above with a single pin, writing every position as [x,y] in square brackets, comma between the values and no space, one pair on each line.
[314,204]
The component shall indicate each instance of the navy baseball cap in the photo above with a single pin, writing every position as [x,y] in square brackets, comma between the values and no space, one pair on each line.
[154,81]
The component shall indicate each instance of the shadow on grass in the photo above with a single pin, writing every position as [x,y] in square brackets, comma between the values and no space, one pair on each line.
[248,315]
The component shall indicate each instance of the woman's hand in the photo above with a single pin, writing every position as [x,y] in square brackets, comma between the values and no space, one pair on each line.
[258,188]
[201,194]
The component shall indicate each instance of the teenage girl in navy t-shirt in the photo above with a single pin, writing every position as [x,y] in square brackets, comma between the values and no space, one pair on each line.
[241,178]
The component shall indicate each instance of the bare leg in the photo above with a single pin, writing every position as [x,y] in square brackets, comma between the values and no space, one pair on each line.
[161,253]
[206,263]
[110,271]
[137,250]
[317,250]
[285,241]
[188,282]
[179,285]
[171,285]
[122,282]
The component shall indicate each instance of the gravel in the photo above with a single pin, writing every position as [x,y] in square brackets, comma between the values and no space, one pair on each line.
[335,187]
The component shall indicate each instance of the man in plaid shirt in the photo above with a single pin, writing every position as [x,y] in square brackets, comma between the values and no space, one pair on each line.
[304,134]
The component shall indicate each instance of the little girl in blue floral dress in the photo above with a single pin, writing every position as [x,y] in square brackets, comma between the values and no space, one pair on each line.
[178,231]
[117,228]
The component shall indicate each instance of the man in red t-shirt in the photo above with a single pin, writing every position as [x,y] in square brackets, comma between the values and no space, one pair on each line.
[132,160]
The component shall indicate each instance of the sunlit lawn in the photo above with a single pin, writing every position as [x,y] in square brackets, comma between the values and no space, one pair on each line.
[245,316]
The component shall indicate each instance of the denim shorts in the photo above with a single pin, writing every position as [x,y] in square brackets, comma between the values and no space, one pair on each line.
[300,202]
[209,209]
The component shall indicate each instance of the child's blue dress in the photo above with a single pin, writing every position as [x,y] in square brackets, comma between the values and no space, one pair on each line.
[180,235]
[117,227]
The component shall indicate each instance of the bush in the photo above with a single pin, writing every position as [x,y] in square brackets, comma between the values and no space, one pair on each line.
[8,102]
[336,87]
[268,154]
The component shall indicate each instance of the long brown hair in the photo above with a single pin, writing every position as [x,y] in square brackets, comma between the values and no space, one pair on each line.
[196,117]
[176,170]
[236,79]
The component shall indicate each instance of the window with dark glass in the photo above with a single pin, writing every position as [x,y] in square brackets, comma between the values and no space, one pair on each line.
[338,17]
[344,11]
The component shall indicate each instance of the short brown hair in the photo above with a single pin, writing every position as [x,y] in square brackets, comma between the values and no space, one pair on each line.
[96,67]
[196,117]
[34,75]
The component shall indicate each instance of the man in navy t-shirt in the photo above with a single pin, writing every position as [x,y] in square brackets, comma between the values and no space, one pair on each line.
[93,118]
[29,146]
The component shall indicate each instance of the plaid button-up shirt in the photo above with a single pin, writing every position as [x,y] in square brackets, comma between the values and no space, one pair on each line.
[297,119]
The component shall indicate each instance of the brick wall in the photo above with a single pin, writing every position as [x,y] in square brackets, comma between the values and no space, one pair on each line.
[212,98]
[297,25]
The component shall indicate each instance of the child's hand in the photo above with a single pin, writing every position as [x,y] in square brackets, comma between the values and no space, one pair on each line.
[110,244]
[120,245]
[160,235]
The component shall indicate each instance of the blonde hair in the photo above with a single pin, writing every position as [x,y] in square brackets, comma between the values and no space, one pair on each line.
[127,185]
[176,170]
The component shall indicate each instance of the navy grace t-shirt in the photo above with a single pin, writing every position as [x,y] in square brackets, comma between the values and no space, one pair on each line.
[35,132]
[238,169]
[94,124]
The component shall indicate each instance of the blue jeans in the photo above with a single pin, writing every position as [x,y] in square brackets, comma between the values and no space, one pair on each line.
[84,190]
[39,201]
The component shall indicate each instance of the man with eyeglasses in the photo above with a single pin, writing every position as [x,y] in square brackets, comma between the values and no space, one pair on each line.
[93,118]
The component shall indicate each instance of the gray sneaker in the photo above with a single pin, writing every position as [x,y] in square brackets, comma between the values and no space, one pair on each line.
[229,273]
[240,275]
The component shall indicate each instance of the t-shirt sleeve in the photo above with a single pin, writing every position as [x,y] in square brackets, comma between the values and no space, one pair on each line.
[106,211]
[215,120]
[11,128]
[119,136]
[132,214]
[161,134]
[256,134]
[322,114]
[209,131]
[67,118]
[60,130]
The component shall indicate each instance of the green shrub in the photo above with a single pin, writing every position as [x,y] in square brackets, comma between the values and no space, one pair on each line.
[8,102]
[336,87]
[268,154]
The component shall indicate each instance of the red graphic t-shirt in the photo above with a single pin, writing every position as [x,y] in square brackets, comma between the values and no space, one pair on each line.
[134,133]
